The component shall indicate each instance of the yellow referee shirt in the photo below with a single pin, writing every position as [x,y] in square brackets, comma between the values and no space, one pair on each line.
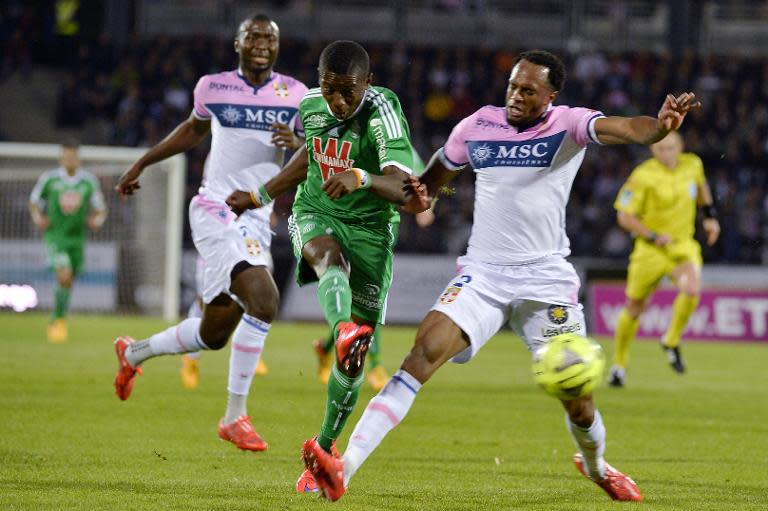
[664,199]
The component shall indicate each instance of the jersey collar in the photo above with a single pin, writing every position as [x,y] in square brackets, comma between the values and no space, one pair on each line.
[255,87]
[536,121]
[357,110]
[62,172]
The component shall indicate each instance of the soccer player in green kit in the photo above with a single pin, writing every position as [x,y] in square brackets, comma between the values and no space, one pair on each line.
[355,170]
[63,202]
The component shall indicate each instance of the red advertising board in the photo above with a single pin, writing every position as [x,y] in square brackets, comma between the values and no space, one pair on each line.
[722,314]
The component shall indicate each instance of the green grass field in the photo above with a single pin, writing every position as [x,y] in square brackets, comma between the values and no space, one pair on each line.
[479,436]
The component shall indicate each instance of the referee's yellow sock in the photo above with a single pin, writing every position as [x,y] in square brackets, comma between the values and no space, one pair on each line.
[682,309]
[626,329]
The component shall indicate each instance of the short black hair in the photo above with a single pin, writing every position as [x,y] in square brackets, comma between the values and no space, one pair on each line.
[345,58]
[253,19]
[550,61]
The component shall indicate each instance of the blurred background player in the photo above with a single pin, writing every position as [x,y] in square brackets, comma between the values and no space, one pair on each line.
[515,271]
[63,202]
[252,114]
[345,218]
[657,205]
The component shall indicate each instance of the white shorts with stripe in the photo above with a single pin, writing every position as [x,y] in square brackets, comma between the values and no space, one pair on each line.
[537,300]
[223,240]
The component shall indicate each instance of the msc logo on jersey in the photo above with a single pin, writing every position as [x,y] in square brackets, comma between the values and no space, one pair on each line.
[330,158]
[250,116]
[538,152]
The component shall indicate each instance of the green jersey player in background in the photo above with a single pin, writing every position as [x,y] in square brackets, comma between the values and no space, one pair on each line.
[63,202]
[354,172]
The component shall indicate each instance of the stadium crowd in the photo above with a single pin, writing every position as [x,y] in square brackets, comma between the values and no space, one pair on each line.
[140,93]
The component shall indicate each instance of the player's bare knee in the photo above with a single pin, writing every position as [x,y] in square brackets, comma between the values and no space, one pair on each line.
[635,308]
[214,340]
[263,306]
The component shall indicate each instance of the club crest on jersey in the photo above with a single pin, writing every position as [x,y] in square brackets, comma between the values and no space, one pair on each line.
[538,152]
[452,292]
[332,158]
[316,121]
[250,116]
[70,201]
[281,90]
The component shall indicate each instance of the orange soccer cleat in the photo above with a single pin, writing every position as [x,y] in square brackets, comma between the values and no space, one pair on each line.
[352,344]
[615,484]
[324,361]
[261,368]
[327,470]
[306,482]
[242,434]
[377,378]
[190,372]
[57,331]
[125,372]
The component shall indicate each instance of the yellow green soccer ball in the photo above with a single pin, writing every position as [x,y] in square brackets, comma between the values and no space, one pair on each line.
[569,366]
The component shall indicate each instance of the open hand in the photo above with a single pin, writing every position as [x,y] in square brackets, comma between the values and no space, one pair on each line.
[712,230]
[283,136]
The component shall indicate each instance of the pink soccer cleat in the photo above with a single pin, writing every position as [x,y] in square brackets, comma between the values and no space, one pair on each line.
[615,484]
[125,372]
[352,344]
[242,434]
[327,470]
[306,482]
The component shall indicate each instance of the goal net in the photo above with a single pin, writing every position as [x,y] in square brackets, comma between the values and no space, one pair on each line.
[132,264]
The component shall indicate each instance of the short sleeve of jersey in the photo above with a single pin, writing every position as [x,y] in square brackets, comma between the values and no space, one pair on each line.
[39,193]
[454,153]
[699,165]
[632,195]
[388,130]
[581,125]
[200,111]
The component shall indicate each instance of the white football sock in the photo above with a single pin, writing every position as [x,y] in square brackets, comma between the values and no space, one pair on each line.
[194,312]
[384,412]
[182,338]
[247,345]
[591,443]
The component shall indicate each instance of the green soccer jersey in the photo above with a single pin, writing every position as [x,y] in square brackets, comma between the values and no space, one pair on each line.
[375,137]
[67,201]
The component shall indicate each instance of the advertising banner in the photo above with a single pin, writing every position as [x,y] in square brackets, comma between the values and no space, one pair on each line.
[722,315]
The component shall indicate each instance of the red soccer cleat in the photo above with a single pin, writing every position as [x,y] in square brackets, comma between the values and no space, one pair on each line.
[306,482]
[242,434]
[125,372]
[327,470]
[352,344]
[615,484]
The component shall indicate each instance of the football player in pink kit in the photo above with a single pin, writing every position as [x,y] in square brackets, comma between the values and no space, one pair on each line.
[252,115]
[525,156]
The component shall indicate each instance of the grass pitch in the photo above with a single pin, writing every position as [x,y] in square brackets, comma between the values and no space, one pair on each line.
[479,436]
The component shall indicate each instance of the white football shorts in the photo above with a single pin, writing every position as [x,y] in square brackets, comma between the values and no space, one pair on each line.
[223,240]
[537,300]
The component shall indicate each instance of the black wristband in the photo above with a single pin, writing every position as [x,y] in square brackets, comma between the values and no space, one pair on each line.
[709,211]
[651,237]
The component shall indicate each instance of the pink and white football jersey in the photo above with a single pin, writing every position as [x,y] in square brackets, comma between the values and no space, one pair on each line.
[242,156]
[523,180]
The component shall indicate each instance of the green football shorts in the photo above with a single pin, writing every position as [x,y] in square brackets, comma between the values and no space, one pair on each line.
[62,255]
[368,249]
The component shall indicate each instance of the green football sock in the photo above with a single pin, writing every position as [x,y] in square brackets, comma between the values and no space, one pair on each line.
[330,340]
[335,296]
[342,396]
[61,302]
[374,349]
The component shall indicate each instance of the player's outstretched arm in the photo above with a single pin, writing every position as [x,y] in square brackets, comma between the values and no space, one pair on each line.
[293,173]
[644,129]
[183,138]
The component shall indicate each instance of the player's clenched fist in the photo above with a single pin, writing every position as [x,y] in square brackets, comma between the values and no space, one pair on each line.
[238,201]
[418,200]
[129,181]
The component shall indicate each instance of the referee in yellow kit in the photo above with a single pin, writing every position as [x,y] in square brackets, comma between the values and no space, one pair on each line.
[657,205]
